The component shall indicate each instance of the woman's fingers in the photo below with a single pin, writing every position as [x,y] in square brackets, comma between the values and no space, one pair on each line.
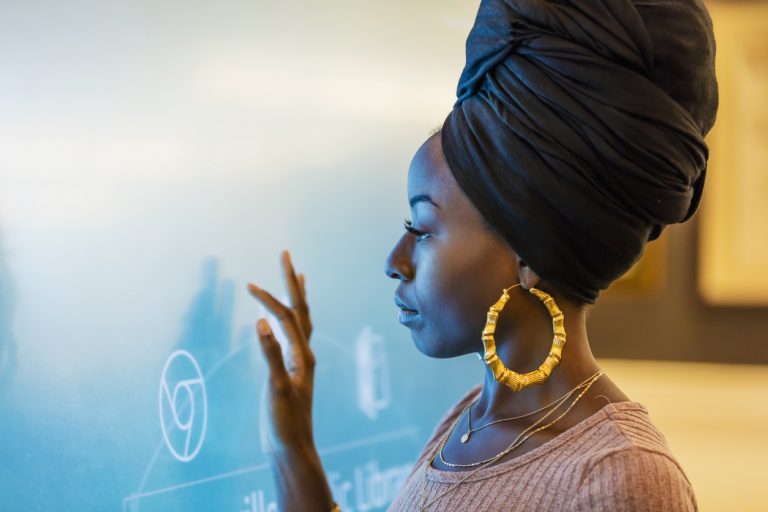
[300,353]
[305,317]
[297,297]
[291,281]
[274,306]
[274,355]
[303,286]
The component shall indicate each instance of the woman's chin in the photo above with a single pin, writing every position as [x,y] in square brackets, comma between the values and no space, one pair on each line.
[434,347]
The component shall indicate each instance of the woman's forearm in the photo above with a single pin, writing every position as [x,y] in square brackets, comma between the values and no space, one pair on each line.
[301,482]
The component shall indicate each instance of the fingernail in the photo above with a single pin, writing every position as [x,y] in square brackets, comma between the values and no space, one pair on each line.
[262,326]
[252,287]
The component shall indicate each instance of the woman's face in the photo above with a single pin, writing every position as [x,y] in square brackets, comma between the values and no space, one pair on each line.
[451,268]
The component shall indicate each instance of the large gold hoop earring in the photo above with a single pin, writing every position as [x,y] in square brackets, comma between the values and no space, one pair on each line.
[513,380]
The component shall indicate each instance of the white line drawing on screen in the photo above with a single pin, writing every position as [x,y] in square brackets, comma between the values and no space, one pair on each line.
[373,391]
[214,369]
[132,502]
[183,413]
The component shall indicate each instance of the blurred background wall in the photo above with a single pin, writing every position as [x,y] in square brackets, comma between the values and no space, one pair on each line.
[673,321]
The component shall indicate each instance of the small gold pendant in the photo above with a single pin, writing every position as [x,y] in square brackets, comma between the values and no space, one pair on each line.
[465,438]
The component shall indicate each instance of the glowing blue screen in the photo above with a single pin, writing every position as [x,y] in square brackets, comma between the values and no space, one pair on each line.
[154,158]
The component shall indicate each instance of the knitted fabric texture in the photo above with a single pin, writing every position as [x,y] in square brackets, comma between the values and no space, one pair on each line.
[615,460]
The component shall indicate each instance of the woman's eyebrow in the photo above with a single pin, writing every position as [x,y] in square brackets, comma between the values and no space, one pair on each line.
[422,198]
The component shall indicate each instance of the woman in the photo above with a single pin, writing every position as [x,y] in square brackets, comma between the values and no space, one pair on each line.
[577,135]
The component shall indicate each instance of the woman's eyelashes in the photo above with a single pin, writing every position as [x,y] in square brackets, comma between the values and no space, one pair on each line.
[420,235]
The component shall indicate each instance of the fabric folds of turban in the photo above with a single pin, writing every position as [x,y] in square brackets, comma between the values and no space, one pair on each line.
[579,129]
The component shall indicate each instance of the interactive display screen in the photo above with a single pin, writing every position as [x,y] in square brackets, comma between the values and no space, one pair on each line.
[154,158]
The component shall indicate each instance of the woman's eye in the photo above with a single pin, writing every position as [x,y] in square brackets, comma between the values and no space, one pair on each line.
[420,235]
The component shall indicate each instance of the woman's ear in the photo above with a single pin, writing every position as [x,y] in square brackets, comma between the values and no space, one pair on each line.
[528,278]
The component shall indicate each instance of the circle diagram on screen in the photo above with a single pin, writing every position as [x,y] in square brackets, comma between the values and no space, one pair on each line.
[183,405]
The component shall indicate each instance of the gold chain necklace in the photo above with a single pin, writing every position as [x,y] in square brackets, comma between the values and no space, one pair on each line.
[520,439]
[557,403]
[465,437]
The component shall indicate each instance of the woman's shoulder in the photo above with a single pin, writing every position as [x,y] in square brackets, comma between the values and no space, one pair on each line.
[628,464]
[621,427]
[617,429]
[627,424]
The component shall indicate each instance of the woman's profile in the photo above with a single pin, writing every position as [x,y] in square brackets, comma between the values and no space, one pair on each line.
[578,134]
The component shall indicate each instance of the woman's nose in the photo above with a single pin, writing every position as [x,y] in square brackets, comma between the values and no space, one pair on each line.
[398,265]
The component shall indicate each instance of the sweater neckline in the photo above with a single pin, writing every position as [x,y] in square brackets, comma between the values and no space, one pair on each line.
[605,413]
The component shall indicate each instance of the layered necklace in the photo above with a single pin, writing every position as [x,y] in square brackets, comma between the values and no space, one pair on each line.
[537,426]
[465,437]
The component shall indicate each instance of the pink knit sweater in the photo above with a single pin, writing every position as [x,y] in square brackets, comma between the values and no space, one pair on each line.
[615,460]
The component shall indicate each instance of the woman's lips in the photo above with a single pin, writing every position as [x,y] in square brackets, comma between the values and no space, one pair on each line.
[406,314]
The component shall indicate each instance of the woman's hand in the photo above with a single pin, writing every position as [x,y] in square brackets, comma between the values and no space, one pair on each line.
[291,379]
[301,483]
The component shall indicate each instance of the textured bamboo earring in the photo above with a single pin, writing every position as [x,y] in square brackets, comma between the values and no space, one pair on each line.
[513,380]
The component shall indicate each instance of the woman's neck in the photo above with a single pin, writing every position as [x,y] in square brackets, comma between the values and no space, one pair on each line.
[523,350]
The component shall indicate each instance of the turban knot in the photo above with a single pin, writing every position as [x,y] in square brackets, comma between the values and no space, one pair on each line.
[579,129]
